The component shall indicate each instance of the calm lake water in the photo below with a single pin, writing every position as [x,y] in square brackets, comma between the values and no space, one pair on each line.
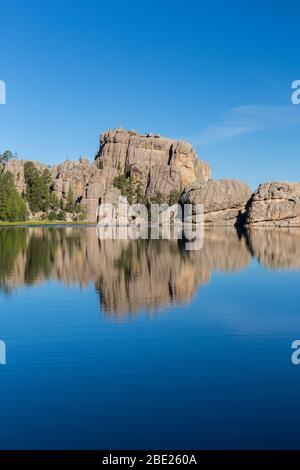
[142,344]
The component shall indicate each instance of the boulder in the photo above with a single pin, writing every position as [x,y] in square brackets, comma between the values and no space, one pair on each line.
[224,201]
[275,205]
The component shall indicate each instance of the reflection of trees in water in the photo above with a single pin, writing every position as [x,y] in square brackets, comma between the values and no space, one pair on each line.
[133,275]
[30,254]
[40,256]
[12,243]
[42,249]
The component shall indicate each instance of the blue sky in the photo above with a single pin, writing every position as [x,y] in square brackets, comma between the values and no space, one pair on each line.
[216,73]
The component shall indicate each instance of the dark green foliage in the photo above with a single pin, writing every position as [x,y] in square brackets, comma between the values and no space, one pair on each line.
[82,216]
[71,203]
[37,187]
[12,206]
[157,199]
[134,193]
[54,202]
[127,171]
[56,215]
[141,198]
[126,186]
[174,197]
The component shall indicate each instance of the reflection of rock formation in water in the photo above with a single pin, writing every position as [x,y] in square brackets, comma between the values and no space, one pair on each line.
[147,274]
[152,273]
[135,275]
[275,248]
[129,275]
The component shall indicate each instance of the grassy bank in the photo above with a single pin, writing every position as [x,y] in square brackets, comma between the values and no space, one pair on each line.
[42,222]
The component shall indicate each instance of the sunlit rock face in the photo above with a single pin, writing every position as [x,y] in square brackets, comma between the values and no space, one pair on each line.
[71,175]
[275,205]
[160,164]
[157,166]
[223,201]
[129,275]
[275,248]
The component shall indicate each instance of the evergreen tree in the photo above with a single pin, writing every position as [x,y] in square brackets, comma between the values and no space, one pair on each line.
[37,188]
[54,202]
[6,156]
[71,203]
[12,206]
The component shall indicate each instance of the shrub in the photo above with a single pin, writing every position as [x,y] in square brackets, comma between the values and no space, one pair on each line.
[174,197]
[126,186]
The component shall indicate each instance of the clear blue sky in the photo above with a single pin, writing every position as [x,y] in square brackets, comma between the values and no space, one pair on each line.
[217,73]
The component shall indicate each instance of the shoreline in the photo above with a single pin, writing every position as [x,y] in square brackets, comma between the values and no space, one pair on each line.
[35,223]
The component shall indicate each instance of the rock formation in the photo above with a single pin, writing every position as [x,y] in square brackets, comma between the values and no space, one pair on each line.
[224,201]
[150,156]
[16,167]
[151,168]
[156,167]
[71,175]
[275,205]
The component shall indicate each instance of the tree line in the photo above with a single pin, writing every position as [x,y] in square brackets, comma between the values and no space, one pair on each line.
[38,196]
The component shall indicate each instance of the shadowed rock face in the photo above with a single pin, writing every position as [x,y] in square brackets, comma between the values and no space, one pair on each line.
[128,275]
[275,205]
[224,200]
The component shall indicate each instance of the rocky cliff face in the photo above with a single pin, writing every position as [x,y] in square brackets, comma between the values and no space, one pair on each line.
[275,205]
[71,175]
[154,165]
[148,155]
[16,167]
[156,169]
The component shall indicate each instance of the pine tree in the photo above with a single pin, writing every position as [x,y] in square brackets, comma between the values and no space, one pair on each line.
[70,204]
[37,188]
[12,206]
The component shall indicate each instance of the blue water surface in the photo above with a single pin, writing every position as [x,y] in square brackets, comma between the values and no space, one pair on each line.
[213,371]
